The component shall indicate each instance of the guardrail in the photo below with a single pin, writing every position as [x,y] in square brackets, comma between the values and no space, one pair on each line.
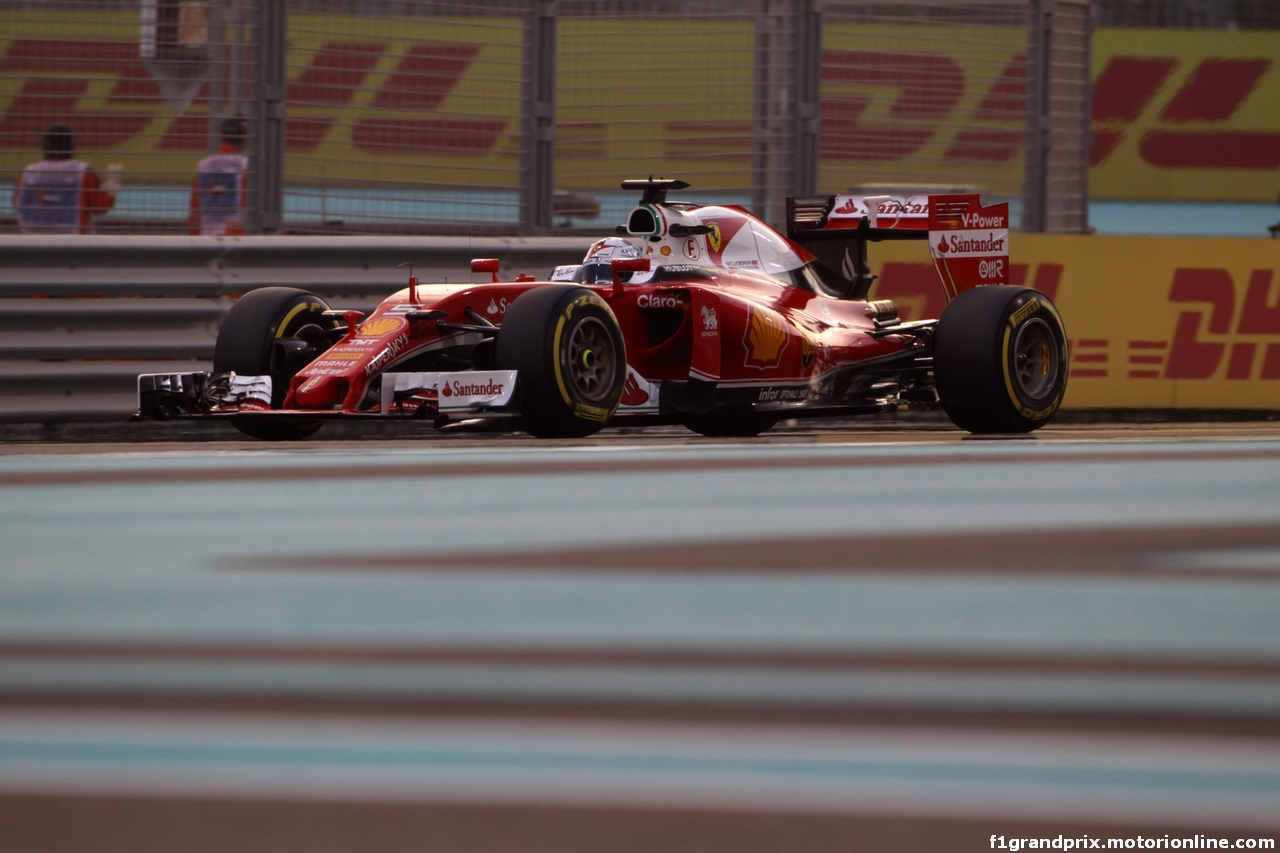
[81,317]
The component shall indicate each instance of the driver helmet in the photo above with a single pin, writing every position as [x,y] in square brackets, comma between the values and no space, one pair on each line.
[596,265]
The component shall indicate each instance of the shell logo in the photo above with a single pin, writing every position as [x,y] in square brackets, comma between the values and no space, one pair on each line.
[381,326]
[766,338]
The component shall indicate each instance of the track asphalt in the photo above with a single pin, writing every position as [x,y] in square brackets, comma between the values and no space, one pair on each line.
[838,640]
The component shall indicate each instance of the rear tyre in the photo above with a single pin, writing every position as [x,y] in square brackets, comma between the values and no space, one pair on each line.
[1000,360]
[250,343]
[740,421]
[571,363]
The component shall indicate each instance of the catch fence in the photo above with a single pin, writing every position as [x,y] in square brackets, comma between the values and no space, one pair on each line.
[1190,14]
[522,116]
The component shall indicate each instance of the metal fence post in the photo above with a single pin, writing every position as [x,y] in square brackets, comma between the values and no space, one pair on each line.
[787,112]
[777,73]
[265,208]
[1034,186]
[808,118]
[218,88]
[1056,188]
[759,113]
[538,114]
[1086,114]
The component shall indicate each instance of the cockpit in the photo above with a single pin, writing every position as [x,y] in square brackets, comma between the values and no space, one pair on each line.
[684,240]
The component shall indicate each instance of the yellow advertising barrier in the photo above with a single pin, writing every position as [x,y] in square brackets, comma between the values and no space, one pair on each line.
[438,99]
[1189,115]
[369,98]
[1152,322]
[1186,114]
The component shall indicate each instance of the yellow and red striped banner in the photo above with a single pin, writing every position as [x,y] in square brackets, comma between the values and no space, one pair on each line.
[1189,115]
[1153,322]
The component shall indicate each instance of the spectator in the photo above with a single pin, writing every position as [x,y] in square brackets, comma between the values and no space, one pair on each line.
[218,193]
[60,194]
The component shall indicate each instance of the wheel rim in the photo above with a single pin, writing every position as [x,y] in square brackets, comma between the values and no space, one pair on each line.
[1036,359]
[591,367]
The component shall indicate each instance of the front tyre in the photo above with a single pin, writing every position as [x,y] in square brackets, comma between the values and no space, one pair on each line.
[1000,360]
[254,340]
[571,363]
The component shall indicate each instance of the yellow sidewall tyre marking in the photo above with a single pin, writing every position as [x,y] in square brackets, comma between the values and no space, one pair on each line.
[1033,305]
[590,413]
[294,312]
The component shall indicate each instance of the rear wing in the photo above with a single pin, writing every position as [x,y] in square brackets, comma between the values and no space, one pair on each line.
[969,243]
[881,211]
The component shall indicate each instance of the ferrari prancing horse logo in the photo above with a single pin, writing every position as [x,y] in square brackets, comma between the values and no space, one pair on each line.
[714,239]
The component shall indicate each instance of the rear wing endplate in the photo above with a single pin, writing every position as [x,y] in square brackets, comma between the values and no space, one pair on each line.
[969,243]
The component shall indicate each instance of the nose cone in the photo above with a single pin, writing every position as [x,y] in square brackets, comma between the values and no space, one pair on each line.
[320,392]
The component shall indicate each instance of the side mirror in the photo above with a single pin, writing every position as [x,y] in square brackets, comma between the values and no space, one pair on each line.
[621,265]
[629,265]
[489,265]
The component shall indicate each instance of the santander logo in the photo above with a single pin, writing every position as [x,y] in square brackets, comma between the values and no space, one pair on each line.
[472,389]
[942,246]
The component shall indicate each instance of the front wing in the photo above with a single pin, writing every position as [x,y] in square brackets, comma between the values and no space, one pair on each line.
[444,397]
[451,395]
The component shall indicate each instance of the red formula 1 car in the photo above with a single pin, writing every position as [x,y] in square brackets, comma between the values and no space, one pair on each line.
[695,314]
